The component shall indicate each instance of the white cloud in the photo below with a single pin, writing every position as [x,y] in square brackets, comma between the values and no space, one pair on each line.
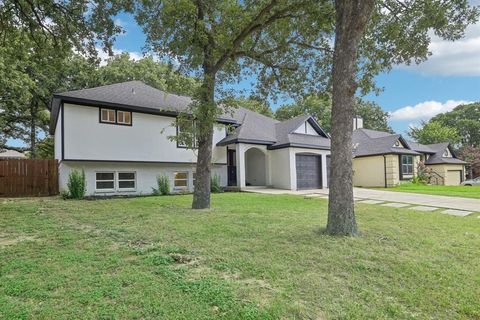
[453,58]
[425,110]
[134,55]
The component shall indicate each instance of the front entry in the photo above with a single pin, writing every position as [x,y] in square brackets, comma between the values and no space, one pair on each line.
[231,167]
[309,171]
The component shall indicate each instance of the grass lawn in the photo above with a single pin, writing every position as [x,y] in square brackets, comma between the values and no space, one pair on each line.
[451,191]
[250,257]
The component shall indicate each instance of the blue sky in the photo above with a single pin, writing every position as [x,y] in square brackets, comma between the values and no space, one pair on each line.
[411,94]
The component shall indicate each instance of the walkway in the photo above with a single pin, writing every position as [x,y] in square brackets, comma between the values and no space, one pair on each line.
[455,203]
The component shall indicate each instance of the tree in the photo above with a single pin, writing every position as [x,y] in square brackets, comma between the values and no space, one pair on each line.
[465,119]
[222,40]
[397,32]
[251,103]
[434,132]
[351,21]
[373,116]
[472,156]
[320,107]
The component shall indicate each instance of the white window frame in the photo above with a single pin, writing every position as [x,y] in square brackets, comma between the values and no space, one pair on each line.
[186,179]
[124,122]
[105,190]
[107,120]
[134,181]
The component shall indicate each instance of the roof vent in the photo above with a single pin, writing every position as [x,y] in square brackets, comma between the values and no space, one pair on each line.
[133,90]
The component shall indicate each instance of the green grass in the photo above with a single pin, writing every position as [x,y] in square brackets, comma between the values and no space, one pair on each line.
[250,257]
[451,191]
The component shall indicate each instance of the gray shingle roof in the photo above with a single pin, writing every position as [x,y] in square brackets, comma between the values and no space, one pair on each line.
[438,158]
[370,142]
[130,95]
[257,128]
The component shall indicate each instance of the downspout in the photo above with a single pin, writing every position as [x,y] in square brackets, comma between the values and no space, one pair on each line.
[385,170]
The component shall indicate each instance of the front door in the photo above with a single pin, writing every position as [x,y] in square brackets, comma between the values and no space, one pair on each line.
[231,167]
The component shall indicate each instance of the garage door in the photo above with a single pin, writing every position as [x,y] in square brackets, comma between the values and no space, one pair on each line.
[453,177]
[309,171]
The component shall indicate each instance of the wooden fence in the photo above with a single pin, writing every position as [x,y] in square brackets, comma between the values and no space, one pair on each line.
[28,177]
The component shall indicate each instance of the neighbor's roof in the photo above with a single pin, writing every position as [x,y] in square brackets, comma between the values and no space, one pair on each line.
[11,154]
[130,95]
[371,142]
[438,158]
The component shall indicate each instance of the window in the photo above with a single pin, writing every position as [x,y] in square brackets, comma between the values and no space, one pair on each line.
[180,180]
[105,181]
[407,165]
[184,133]
[107,115]
[446,153]
[115,117]
[126,180]
[124,117]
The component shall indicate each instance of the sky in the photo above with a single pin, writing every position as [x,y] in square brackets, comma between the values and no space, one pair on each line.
[450,77]
[411,94]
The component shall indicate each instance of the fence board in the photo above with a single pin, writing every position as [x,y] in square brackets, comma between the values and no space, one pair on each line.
[28,177]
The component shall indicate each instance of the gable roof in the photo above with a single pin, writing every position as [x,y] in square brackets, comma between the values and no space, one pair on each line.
[260,129]
[131,96]
[370,142]
[438,158]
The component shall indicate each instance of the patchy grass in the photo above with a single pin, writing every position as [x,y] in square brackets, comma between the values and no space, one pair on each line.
[450,191]
[250,257]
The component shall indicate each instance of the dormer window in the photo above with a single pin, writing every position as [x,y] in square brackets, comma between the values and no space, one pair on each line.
[446,153]
[397,144]
[115,117]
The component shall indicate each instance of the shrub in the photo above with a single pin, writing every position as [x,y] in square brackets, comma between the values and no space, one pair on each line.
[163,183]
[423,174]
[77,185]
[215,184]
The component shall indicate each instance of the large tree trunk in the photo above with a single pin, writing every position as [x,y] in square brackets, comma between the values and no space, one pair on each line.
[351,19]
[205,119]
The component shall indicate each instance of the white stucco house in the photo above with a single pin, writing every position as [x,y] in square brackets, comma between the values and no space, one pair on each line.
[119,135]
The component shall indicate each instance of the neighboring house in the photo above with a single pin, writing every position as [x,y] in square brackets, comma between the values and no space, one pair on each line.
[119,134]
[382,159]
[11,154]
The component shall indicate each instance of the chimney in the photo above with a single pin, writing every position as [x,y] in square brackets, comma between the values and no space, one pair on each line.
[357,123]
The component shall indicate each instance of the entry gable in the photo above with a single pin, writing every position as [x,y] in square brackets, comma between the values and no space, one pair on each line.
[311,127]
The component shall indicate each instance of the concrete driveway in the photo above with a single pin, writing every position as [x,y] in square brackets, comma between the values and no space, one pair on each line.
[456,203]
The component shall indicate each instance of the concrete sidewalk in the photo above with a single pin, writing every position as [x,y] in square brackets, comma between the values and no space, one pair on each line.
[456,203]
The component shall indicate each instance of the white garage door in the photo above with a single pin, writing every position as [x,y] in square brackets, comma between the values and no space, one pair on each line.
[453,177]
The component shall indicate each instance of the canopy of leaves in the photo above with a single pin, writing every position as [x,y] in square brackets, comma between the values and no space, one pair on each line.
[320,107]
[465,119]
[434,132]
[472,156]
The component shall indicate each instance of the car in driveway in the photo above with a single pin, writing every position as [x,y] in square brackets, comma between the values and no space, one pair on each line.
[472,182]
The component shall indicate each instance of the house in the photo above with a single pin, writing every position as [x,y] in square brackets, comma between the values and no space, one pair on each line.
[11,154]
[382,159]
[119,135]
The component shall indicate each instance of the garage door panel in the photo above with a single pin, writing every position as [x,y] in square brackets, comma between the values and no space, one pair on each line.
[309,171]
[453,177]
